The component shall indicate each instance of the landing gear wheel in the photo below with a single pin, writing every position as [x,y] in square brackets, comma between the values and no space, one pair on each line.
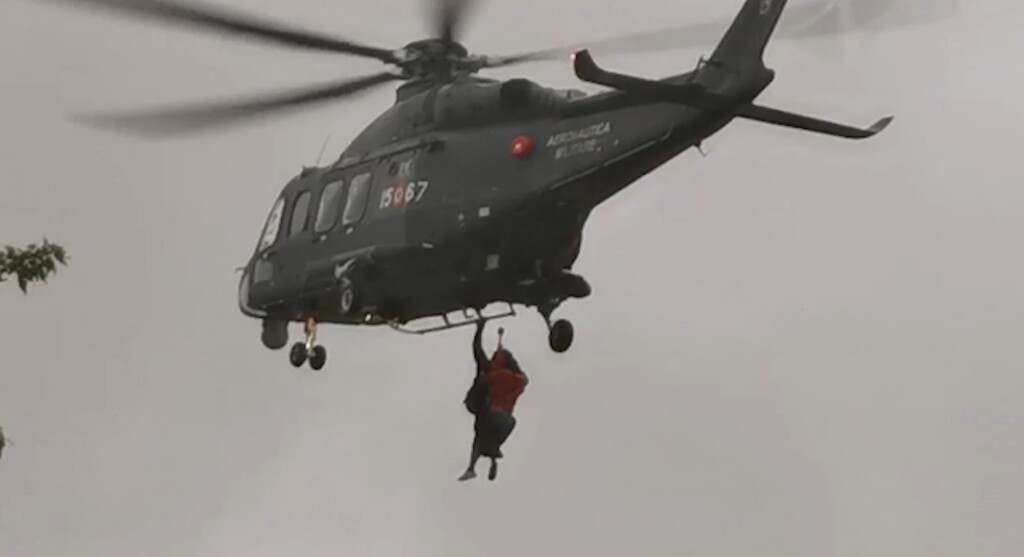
[560,335]
[275,334]
[298,355]
[318,357]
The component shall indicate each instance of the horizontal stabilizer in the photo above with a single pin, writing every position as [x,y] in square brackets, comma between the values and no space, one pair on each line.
[807,123]
[690,94]
[696,96]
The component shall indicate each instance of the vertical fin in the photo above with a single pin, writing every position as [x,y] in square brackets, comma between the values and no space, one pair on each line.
[742,46]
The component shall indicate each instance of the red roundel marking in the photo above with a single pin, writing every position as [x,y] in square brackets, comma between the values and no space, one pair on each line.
[522,147]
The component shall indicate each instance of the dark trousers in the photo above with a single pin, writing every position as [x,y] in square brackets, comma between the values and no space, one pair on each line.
[492,428]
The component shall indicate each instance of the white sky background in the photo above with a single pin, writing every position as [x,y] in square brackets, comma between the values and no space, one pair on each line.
[799,346]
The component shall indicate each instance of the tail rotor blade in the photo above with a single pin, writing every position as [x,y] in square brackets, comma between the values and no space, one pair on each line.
[846,21]
[821,18]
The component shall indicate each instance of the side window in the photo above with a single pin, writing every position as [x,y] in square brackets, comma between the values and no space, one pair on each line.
[272,226]
[330,206]
[358,195]
[300,214]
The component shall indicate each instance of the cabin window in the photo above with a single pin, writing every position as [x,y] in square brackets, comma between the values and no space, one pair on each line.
[358,195]
[272,226]
[330,206]
[300,214]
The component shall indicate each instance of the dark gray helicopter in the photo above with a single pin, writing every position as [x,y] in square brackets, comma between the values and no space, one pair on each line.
[467,191]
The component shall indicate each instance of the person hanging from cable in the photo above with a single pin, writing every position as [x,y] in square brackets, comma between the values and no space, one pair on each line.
[476,400]
[492,398]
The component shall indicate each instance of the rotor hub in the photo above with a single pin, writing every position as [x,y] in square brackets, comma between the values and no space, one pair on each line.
[432,57]
[435,48]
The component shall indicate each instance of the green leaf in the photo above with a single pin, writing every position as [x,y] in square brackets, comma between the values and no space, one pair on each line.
[34,263]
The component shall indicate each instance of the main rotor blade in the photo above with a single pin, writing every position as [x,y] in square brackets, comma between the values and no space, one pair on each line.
[816,18]
[195,118]
[235,23]
[450,15]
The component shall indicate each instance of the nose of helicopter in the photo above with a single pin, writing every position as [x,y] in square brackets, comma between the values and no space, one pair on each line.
[245,292]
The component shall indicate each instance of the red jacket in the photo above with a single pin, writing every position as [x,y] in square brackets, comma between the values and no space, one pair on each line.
[504,388]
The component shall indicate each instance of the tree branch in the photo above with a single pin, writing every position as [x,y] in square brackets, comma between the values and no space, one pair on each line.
[34,263]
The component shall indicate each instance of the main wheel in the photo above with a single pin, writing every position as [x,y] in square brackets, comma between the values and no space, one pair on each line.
[560,335]
[297,356]
[318,358]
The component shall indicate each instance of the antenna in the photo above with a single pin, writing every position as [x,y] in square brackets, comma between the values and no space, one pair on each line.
[324,147]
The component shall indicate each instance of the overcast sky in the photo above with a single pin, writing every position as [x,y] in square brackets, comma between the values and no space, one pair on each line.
[798,346]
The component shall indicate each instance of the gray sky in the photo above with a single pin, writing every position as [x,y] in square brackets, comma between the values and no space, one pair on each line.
[825,361]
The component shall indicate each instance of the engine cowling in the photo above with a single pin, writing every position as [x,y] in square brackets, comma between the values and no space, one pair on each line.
[483,103]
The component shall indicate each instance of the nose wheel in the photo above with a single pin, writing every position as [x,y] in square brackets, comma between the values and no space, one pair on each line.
[275,333]
[310,351]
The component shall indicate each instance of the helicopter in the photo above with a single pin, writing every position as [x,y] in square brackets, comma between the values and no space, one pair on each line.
[467,191]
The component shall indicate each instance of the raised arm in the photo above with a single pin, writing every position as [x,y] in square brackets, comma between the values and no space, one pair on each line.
[478,350]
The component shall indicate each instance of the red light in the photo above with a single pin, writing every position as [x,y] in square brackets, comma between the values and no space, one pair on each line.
[522,147]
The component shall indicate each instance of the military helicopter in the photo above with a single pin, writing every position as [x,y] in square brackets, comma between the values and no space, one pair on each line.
[468,191]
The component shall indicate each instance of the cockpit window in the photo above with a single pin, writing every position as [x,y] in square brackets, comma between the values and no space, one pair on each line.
[272,226]
[300,214]
[330,206]
[358,195]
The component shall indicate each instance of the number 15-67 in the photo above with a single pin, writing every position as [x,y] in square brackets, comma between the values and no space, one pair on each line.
[403,194]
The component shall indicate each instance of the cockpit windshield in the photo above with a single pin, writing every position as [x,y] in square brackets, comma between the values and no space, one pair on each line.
[273,225]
